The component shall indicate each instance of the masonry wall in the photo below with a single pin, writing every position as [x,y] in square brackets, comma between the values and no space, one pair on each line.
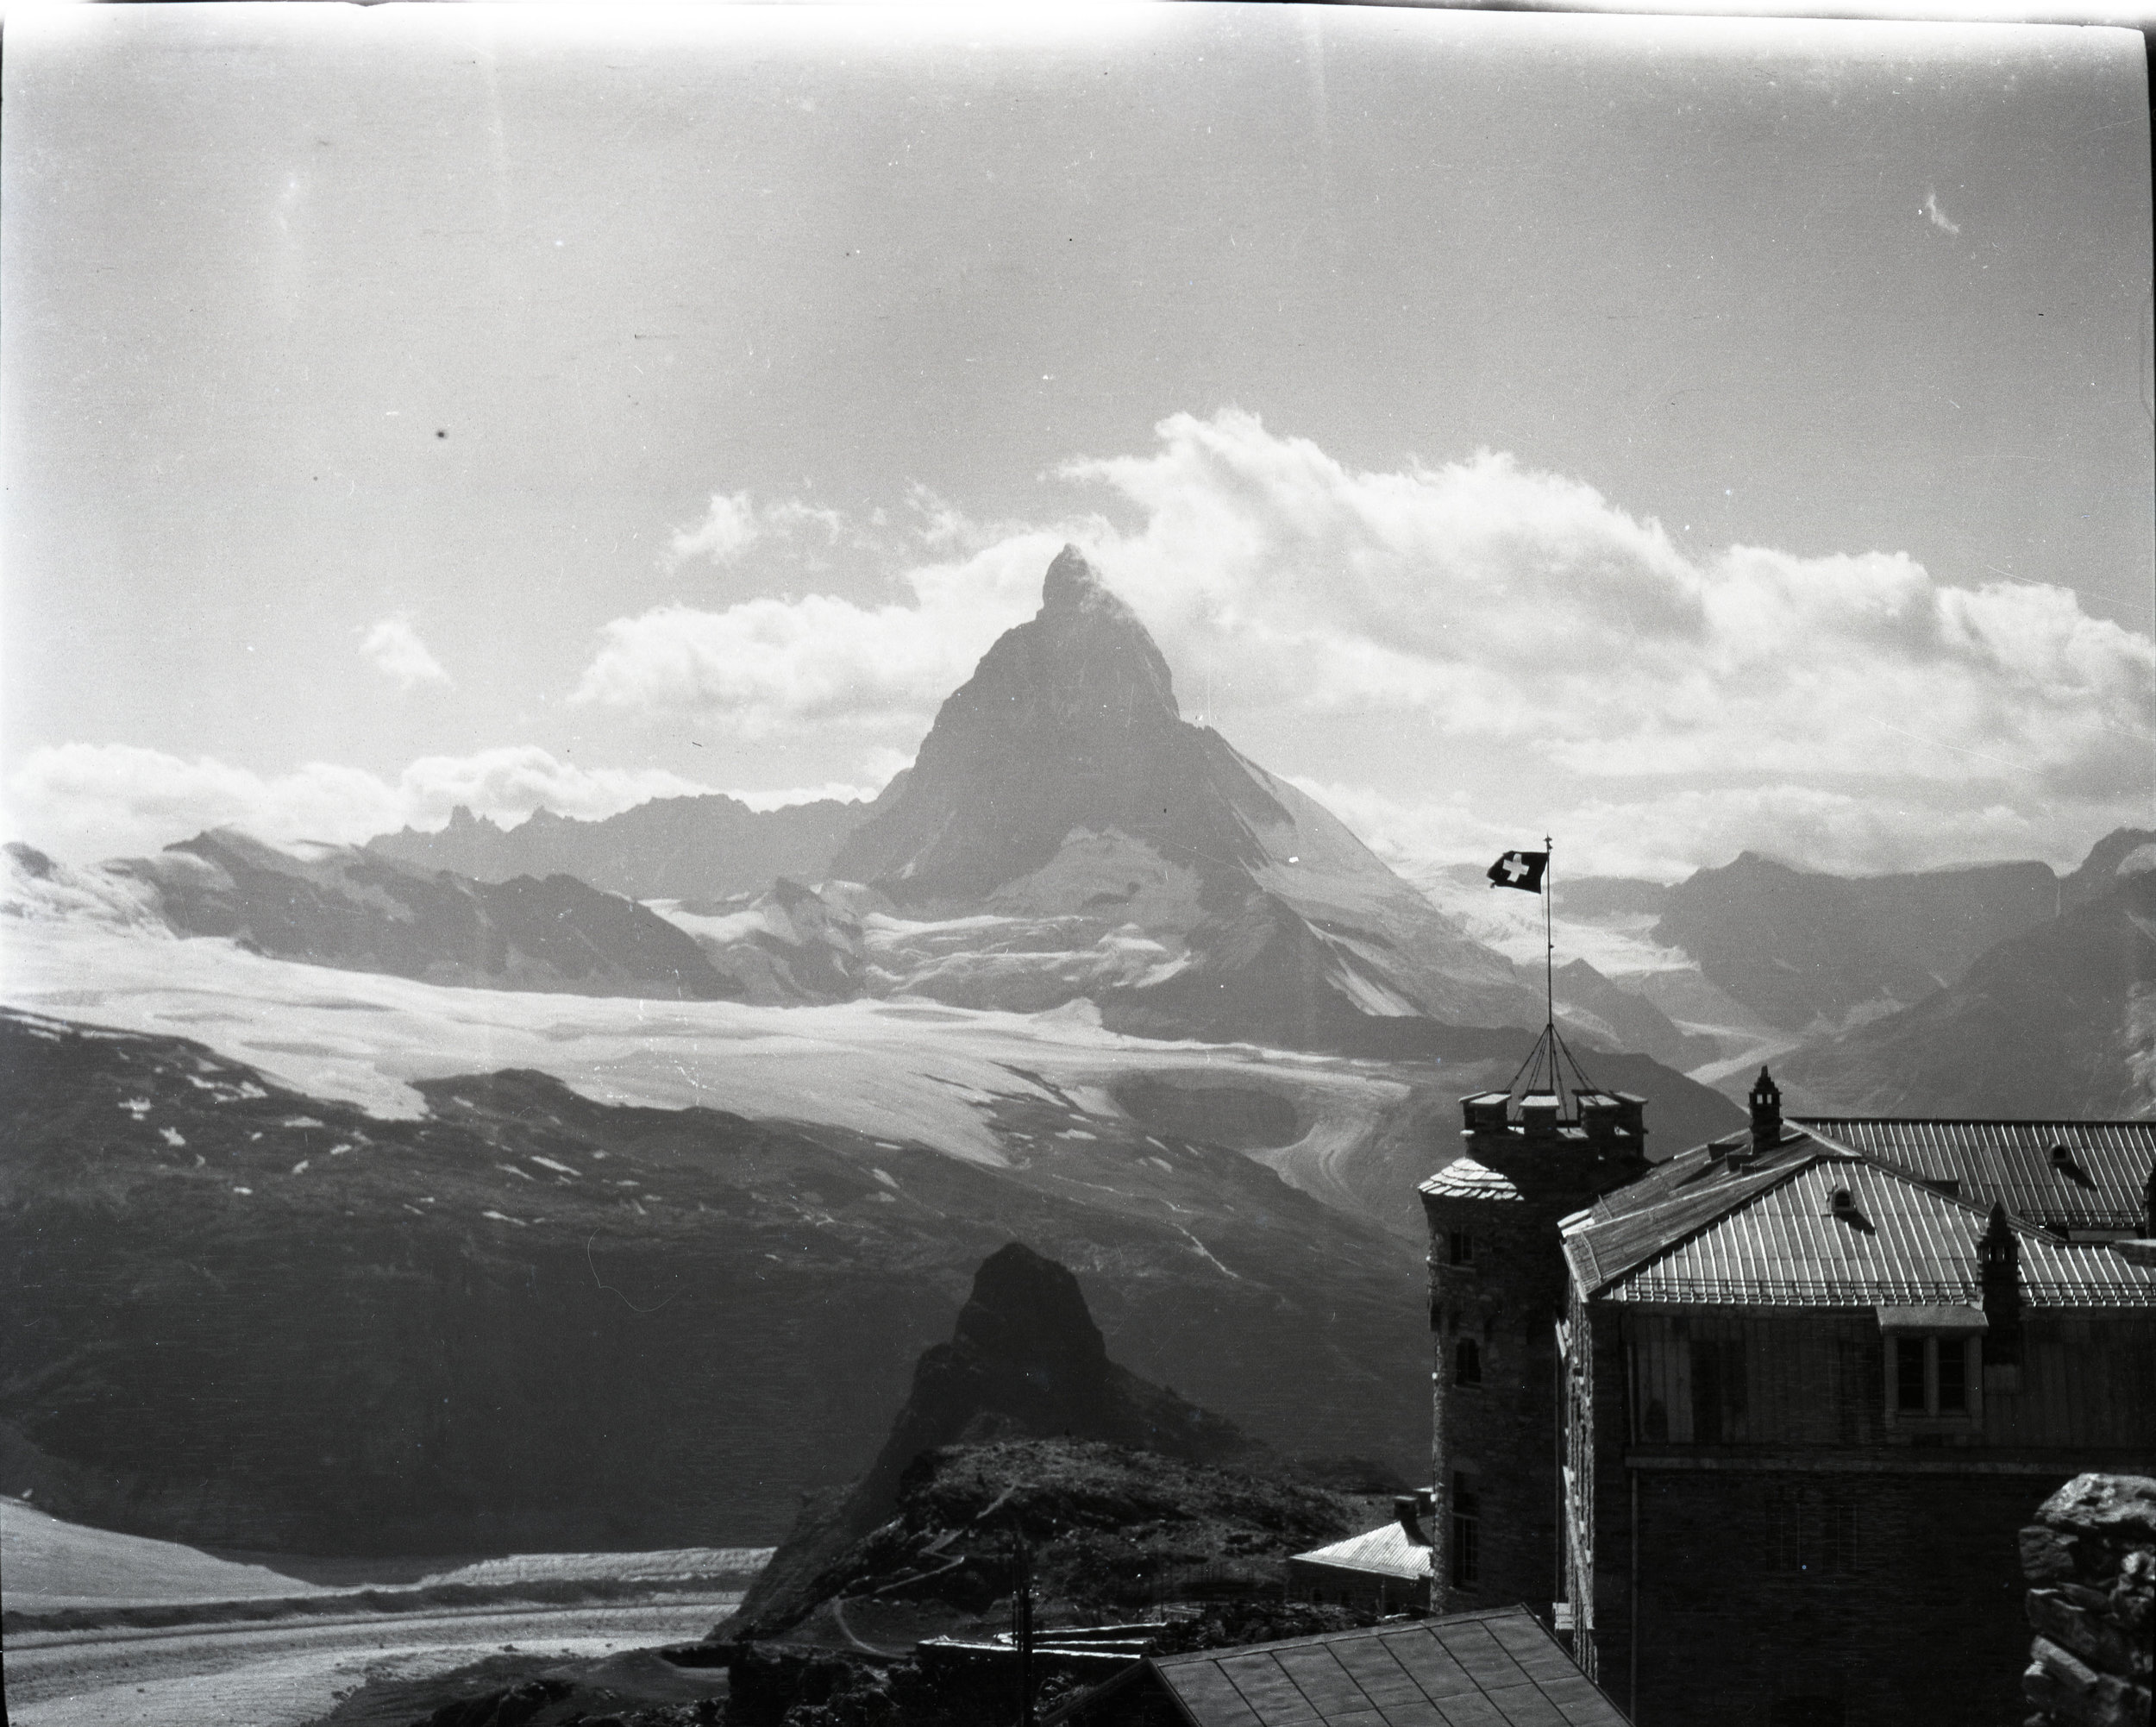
[1825,1598]
[1503,1435]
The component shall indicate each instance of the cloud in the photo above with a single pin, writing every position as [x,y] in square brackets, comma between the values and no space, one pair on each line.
[1938,216]
[86,802]
[1665,836]
[728,529]
[393,647]
[1523,608]
[734,521]
[1740,696]
[766,665]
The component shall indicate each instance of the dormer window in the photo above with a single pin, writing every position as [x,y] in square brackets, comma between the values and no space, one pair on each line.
[2062,1158]
[1935,1363]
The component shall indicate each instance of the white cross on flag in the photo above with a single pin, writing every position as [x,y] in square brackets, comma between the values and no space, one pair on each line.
[1520,869]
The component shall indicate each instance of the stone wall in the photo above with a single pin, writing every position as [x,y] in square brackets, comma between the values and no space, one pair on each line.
[2090,1557]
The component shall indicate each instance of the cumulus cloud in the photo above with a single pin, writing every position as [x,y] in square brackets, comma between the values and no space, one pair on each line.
[765,665]
[734,521]
[88,801]
[1522,607]
[393,647]
[1519,609]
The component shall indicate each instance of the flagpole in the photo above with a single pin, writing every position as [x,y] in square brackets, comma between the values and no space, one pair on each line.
[1549,969]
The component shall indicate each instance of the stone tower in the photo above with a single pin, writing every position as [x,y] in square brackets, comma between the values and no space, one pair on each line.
[1497,1288]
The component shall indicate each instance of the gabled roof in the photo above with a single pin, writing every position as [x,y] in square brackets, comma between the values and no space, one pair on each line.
[1770,1235]
[2099,1187]
[1487,1669]
[1386,1551]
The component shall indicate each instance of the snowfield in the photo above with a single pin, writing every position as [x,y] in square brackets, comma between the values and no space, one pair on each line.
[908,1070]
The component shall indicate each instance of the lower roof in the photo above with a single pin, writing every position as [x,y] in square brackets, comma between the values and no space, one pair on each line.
[1500,1666]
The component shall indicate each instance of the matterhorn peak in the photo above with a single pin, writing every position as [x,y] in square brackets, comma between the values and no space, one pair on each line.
[1072,584]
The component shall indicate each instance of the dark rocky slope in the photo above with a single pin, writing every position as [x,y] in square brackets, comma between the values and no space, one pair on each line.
[245,1318]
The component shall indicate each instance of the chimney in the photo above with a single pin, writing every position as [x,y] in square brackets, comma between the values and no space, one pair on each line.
[1999,1269]
[1766,1113]
[2148,1203]
[1407,1507]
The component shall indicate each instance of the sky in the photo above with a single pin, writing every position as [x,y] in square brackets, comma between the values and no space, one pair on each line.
[1675,438]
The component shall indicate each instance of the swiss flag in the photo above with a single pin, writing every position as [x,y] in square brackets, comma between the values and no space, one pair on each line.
[1520,869]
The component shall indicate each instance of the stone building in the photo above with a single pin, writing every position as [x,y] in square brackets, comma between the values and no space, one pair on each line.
[1497,1285]
[1814,1376]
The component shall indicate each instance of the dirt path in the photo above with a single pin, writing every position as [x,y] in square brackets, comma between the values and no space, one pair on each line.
[286,1675]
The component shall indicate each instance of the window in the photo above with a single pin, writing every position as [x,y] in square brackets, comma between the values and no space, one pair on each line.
[1950,1375]
[1931,1375]
[1909,1355]
[1461,1247]
[1467,1529]
[1719,1400]
[1467,1362]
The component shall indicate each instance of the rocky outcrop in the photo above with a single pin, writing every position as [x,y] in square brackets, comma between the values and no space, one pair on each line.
[2090,1557]
[1025,1361]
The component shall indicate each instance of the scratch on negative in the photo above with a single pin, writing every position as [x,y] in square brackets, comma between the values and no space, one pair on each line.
[631,1305]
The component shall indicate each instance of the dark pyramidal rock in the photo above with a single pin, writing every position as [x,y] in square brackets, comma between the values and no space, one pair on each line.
[1025,1361]
[1069,721]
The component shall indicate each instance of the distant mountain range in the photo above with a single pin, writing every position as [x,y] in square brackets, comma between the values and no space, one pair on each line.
[695,848]
[336,905]
[2059,1021]
[1809,951]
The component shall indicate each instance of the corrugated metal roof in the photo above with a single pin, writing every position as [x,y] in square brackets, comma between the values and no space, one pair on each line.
[1778,1240]
[1488,1669]
[1464,1179]
[2099,1188]
[1385,1551]
[1634,1223]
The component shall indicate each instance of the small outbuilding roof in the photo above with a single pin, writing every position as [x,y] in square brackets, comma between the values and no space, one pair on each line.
[1498,1666]
[1386,1551]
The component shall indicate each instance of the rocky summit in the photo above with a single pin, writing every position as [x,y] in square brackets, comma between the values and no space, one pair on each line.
[1069,722]
[1025,1361]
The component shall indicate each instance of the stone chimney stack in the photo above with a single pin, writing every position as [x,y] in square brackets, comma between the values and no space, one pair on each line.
[2148,1203]
[1999,1267]
[1766,1113]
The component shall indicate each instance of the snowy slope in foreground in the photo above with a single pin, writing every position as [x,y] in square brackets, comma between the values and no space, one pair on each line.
[907,1070]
